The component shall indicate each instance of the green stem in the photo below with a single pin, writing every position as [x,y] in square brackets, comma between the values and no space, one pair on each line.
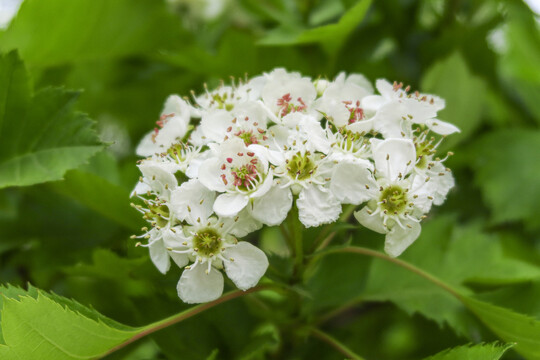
[403,264]
[335,344]
[298,250]
[174,319]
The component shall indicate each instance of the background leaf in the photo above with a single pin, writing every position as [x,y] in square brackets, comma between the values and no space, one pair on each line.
[87,29]
[35,324]
[41,136]
[473,352]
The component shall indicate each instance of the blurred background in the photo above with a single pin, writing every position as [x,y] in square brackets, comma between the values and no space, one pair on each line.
[127,56]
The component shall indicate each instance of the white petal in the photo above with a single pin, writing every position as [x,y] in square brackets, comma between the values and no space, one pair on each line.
[372,222]
[159,178]
[398,239]
[214,124]
[389,122]
[242,224]
[317,135]
[247,268]
[393,157]
[264,187]
[362,126]
[349,181]
[317,207]
[385,88]
[209,175]
[174,241]
[273,207]
[147,147]
[159,256]
[140,188]
[196,286]
[230,204]
[192,201]
[173,131]
[176,106]
[442,127]
[373,102]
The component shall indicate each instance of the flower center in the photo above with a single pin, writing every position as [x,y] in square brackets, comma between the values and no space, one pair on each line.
[247,136]
[158,214]
[394,199]
[301,166]
[424,150]
[207,242]
[286,105]
[350,141]
[221,101]
[356,112]
[245,175]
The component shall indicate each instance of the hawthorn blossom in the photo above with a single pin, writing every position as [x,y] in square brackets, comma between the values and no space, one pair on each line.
[396,110]
[210,243]
[242,176]
[396,202]
[243,155]
[171,127]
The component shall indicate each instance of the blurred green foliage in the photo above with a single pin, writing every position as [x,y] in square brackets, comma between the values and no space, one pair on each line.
[71,236]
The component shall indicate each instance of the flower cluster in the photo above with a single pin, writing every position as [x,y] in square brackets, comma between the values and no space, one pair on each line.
[241,156]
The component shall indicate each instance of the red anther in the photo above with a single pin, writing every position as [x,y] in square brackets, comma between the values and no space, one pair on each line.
[223,167]
[229,160]
[240,154]
[249,153]
[164,116]
[224,178]
[261,131]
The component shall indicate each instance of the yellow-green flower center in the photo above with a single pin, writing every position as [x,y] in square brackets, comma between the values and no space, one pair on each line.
[424,150]
[301,166]
[394,199]
[157,214]
[208,242]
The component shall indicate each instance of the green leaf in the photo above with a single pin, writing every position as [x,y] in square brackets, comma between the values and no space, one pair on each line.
[509,326]
[331,37]
[506,173]
[522,298]
[37,325]
[88,29]
[464,94]
[519,62]
[100,195]
[492,351]
[457,255]
[41,136]
[125,275]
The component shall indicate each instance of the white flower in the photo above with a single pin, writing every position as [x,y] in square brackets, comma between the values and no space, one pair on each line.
[428,167]
[396,110]
[306,173]
[286,93]
[246,120]
[210,243]
[157,178]
[173,126]
[242,176]
[397,202]
[340,101]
